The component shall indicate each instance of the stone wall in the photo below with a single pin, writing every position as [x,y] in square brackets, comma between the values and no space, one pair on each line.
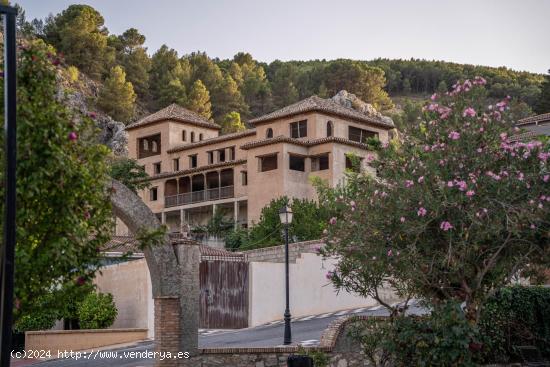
[276,254]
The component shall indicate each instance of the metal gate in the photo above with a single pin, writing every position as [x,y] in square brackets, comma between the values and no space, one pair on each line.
[224,294]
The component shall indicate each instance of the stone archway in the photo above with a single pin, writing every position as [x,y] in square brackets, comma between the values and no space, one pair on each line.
[174,273]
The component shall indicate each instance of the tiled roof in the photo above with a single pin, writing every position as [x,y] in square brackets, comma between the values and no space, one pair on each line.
[176,113]
[534,119]
[217,139]
[318,104]
[303,143]
[122,244]
[194,170]
[128,244]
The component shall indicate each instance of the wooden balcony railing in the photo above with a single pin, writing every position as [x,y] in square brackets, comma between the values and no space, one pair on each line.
[199,196]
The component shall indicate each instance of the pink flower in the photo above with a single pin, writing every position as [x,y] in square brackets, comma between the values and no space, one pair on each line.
[433,97]
[546,178]
[469,112]
[427,148]
[470,193]
[454,135]
[92,115]
[450,184]
[422,212]
[446,226]
[72,136]
[408,183]
[503,136]
[533,226]
[479,150]
[332,221]
[420,179]
[402,219]
[352,203]
[330,275]
[462,186]
[390,253]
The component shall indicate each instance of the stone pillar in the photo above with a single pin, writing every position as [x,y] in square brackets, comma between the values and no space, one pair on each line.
[236,213]
[188,255]
[167,329]
[182,220]
[163,217]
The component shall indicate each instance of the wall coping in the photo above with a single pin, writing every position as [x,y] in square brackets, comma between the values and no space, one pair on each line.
[281,247]
[86,331]
[259,350]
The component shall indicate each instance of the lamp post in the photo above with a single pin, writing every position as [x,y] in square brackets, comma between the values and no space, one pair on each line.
[285,215]
[8,245]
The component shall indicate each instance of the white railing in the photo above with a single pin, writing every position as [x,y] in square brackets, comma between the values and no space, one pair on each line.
[199,196]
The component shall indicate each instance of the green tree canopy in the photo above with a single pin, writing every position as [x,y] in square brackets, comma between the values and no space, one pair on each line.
[543,103]
[117,97]
[79,33]
[199,100]
[231,123]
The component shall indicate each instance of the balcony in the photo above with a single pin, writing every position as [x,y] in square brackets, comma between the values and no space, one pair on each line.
[217,193]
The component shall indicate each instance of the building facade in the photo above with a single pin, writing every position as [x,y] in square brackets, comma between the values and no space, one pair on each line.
[194,171]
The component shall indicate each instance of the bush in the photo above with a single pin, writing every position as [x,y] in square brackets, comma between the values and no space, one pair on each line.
[36,321]
[517,316]
[97,311]
[445,338]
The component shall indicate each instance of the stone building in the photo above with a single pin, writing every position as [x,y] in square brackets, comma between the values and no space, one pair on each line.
[194,171]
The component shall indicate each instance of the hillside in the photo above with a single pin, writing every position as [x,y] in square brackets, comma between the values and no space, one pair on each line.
[123,80]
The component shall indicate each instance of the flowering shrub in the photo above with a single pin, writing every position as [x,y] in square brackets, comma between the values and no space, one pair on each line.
[458,208]
[97,311]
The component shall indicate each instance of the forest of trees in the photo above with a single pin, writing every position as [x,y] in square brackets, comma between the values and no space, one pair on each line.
[219,89]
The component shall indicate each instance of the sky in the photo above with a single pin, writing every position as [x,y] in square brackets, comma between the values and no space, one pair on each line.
[511,33]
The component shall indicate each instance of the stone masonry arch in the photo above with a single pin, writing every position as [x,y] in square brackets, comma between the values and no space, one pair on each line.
[174,277]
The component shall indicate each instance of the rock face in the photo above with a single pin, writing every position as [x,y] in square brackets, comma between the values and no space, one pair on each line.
[76,97]
[350,100]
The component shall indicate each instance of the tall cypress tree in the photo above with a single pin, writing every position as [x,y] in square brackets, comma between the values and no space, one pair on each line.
[199,100]
[117,97]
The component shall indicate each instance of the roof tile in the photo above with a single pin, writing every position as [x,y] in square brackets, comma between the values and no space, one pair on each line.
[177,113]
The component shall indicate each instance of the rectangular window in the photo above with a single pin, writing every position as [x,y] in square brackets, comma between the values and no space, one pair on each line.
[360,135]
[244,177]
[232,153]
[193,161]
[296,163]
[221,155]
[320,162]
[210,157]
[268,163]
[153,194]
[298,129]
[157,168]
[176,163]
[184,135]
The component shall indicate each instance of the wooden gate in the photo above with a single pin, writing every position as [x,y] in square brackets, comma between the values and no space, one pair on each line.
[224,294]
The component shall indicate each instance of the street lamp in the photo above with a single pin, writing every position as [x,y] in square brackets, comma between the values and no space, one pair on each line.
[285,215]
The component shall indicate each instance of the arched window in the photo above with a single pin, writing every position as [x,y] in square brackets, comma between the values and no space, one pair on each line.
[154,146]
[269,133]
[200,137]
[192,136]
[329,128]
[184,135]
[145,144]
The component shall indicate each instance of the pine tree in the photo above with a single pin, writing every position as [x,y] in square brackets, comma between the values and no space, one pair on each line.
[117,97]
[173,92]
[231,123]
[199,100]
[543,104]
[226,98]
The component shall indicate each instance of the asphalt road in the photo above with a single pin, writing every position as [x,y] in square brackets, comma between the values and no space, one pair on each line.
[306,331]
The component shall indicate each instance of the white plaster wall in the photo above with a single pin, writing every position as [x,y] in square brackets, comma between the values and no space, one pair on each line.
[130,285]
[310,291]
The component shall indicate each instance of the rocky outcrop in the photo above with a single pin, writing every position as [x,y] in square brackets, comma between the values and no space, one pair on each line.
[350,100]
[77,96]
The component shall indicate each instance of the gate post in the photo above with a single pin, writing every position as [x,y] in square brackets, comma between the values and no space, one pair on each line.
[167,329]
[188,255]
